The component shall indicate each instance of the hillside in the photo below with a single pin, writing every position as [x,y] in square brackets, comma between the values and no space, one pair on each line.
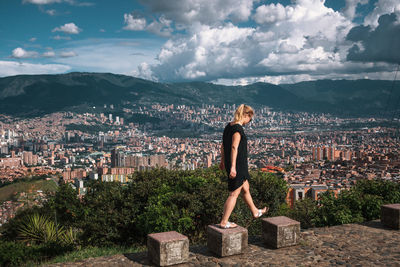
[33,95]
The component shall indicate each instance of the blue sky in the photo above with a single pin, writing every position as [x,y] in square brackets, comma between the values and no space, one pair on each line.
[222,41]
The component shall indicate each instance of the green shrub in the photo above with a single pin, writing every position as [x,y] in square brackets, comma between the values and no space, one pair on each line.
[304,211]
[18,254]
[14,254]
[39,229]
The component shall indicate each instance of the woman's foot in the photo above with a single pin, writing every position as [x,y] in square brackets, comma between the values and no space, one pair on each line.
[228,225]
[260,212]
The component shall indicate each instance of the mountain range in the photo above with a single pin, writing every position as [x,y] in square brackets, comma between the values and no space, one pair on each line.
[35,95]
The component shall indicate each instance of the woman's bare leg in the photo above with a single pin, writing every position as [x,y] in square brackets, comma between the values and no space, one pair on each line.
[249,200]
[230,205]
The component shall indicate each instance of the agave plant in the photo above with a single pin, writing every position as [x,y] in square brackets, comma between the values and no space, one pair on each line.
[40,229]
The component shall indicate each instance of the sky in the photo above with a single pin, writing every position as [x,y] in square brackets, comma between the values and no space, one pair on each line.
[221,41]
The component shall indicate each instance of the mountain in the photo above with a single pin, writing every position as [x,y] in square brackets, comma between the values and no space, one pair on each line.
[32,95]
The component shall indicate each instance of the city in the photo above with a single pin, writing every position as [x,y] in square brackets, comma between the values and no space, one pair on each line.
[313,152]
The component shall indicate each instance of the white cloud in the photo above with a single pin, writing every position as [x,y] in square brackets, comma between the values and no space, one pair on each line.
[134,23]
[68,54]
[51,12]
[9,68]
[272,13]
[382,7]
[349,9]
[58,37]
[287,79]
[161,27]
[49,54]
[143,71]
[46,2]
[42,2]
[188,12]
[305,37]
[69,28]
[33,39]
[109,55]
[22,53]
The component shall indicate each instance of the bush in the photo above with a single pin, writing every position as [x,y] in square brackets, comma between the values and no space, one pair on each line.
[39,229]
[14,254]
[361,203]
[161,200]
[304,211]
[18,254]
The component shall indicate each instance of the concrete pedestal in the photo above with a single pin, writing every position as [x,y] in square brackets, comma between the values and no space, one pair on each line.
[167,248]
[390,215]
[226,242]
[280,231]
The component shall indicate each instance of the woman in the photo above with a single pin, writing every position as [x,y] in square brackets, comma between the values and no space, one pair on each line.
[234,161]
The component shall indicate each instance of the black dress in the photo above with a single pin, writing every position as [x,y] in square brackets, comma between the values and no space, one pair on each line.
[242,172]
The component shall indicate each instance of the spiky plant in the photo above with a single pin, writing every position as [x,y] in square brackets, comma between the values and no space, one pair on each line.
[39,229]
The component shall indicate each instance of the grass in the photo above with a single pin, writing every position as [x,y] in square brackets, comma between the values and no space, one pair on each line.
[9,192]
[93,252]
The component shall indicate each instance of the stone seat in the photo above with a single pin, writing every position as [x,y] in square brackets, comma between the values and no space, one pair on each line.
[280,231]
[167,248]
[226,242]
[390,215]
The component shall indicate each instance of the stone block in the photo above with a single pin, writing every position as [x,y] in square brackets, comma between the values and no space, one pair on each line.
[280,231]
[226,242]
[167,248]
[390,215]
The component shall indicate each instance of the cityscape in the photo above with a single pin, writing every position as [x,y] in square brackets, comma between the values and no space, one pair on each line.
[312,152]
[116,119]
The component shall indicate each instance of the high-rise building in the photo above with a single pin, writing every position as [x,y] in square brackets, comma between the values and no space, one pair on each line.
[117,158]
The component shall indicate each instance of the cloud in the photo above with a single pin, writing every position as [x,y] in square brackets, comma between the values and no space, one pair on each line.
[208,12]
[69,28]
[42,2]
[58,37]
[376,45]
[22,53]
[33,39]
[304,37]
[382,7]
[350,8]
[49,54]
[46,2]
[51,12]
[68,54]
[143,71]
[109,55]
[272,13]
[160,26]
[9,68]
[134,23]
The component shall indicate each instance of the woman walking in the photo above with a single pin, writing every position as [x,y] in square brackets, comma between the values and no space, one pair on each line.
[234,161]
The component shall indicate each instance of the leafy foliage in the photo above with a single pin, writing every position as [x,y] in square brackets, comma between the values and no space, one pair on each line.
[361,203]
[112,214]
[39,229]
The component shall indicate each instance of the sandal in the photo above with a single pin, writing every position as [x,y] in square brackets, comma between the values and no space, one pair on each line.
[260,213]
[228,225]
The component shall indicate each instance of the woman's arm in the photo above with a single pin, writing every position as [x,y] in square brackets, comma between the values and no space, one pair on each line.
[222,164]
[234,152]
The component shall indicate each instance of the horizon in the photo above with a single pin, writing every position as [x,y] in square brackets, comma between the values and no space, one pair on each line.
[229,42]
[195,81]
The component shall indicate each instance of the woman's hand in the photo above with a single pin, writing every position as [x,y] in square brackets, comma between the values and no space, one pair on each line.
[222,166]
[232,174]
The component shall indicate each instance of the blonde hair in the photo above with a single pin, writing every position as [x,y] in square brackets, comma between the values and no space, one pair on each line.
[241,111]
